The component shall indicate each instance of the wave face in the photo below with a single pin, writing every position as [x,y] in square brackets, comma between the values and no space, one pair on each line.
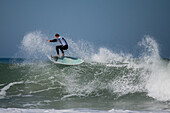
[107,80]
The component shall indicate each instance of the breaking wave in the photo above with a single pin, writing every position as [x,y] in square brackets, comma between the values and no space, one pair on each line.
[104,74]
[148,73]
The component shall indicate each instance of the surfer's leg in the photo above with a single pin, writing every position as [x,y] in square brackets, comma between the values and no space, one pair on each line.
[57,49]
[61,50]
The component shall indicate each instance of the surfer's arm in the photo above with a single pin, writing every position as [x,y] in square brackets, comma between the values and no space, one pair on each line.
[54,40]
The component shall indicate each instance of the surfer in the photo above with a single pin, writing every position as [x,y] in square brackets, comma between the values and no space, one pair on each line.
[63,46]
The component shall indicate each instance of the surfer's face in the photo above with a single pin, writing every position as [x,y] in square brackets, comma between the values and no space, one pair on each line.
[56,36]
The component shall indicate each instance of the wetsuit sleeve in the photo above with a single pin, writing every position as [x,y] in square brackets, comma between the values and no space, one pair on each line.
[54,40]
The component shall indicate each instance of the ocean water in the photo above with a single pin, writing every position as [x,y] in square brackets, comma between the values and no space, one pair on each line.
[106,82]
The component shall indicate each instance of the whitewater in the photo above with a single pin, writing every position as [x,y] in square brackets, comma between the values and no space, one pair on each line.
[106,82]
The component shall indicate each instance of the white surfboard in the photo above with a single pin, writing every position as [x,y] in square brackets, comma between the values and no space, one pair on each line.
[66,60]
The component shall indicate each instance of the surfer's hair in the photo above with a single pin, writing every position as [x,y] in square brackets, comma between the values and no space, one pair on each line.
[57,35]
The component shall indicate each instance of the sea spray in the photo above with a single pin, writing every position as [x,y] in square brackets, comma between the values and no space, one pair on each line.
[34,46]
[157,78]
[80,48]
[106,56]
[158,83]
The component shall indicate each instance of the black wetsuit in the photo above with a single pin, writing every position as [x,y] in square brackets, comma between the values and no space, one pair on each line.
[63,46]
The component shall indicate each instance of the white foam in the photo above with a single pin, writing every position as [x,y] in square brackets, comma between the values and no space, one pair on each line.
[19,110]
[130,111]
[158,84]
[38,91]
[4,89]
[72,95]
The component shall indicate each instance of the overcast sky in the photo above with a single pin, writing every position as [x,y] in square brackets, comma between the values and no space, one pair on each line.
[109,23]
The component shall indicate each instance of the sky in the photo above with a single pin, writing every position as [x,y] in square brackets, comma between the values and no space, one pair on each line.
[107,23]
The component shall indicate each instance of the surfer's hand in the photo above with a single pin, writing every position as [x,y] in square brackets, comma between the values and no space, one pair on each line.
[48,40]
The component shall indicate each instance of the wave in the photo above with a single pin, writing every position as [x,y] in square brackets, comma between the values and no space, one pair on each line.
[148,73]
[104,73]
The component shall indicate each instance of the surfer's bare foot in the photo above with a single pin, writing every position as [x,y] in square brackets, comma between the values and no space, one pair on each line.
[57,55]
[63,54]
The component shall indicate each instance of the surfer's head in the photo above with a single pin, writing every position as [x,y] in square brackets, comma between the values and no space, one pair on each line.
[57,35]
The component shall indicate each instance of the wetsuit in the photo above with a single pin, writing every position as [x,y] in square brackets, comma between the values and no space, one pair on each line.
[63,46]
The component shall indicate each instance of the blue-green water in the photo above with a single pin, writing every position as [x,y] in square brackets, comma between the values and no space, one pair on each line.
[85,87]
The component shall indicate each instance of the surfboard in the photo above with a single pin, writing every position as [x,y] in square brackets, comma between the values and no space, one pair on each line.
[66,60]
